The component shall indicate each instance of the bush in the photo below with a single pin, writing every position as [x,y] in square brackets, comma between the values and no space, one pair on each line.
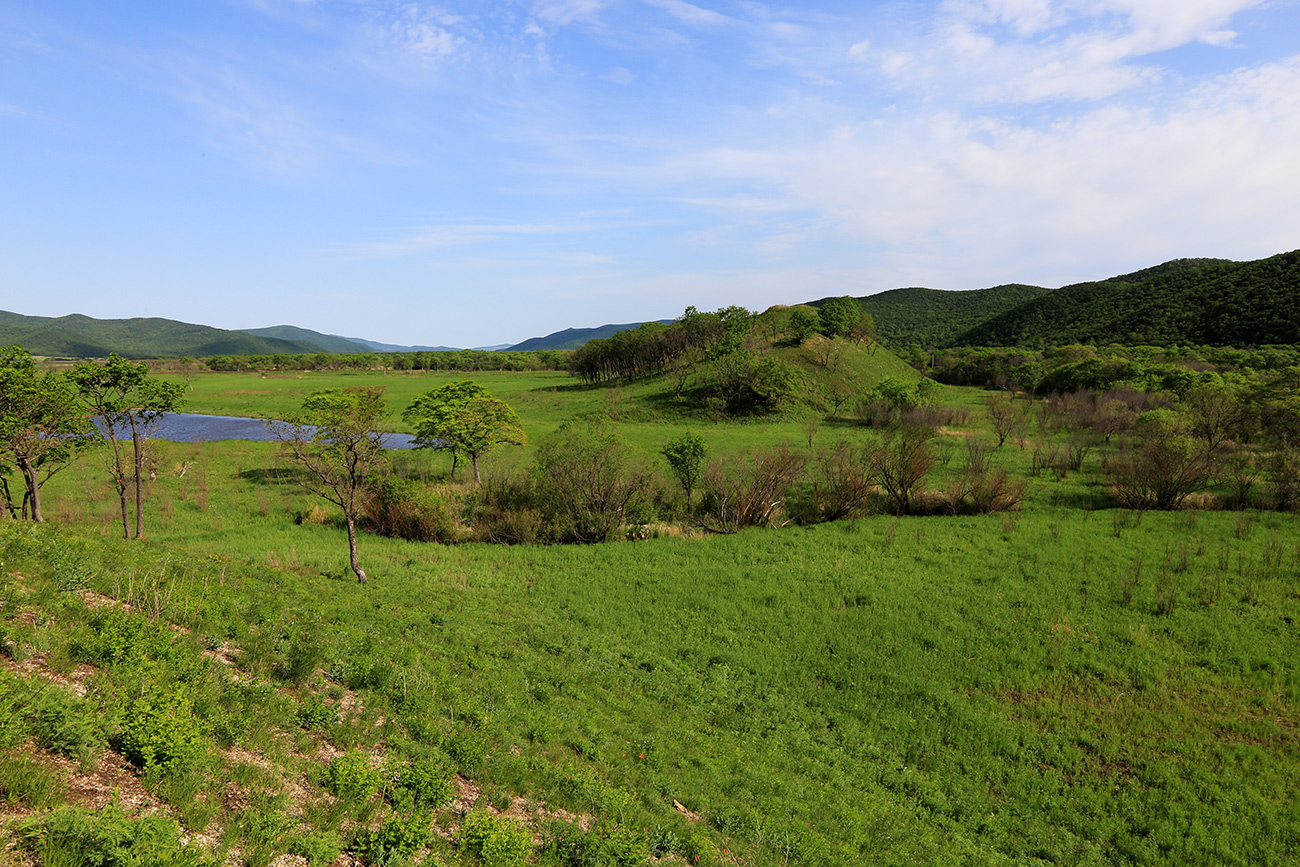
[423,785]
[467,748]
[107,838]
[399,837]
[899,464]
[403,509]
[506,510]
[351,779]
[748,492]
[590,483]
[1163,468]
[495,841]
[161,731]
[842,485]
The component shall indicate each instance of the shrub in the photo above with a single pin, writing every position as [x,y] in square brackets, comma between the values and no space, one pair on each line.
[495,841]
[506,510]
[685,455]
[421,785]
[590,483]
[842,485]
[899,463]
[351,779]
[315,712]
[400,836]
[161,730]
[748,492]
[62,723]
[403,509]
[319,848]
[1163,468]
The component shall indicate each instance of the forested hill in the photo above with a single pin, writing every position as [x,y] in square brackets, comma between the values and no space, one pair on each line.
[1211,302]
[572,338]
[78,336]
[934,317]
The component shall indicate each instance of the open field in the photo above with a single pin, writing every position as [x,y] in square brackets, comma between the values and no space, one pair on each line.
[1059,684]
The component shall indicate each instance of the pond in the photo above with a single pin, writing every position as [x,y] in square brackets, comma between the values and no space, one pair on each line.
[188,427]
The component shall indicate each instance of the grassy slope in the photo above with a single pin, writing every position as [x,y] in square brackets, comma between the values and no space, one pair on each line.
[1198,301]
[970,690]
[939,690]
[80,336]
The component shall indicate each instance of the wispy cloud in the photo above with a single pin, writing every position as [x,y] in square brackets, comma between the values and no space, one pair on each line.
[464,234]
[687,13]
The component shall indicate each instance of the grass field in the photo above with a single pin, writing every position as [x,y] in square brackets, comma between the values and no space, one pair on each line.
[1054,685]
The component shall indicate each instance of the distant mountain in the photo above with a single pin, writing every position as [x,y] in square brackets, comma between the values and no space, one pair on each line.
[1214,302]
[376,346]
[572,338]
[326,342]
[78,336]
[937,317]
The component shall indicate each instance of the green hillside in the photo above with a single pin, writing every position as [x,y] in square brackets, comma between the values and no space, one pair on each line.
[935,317]
[327,342]
[572,338]
[79,336]
[1198,301]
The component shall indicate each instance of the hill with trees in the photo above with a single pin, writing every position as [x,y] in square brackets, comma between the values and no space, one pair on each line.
[1210,302]
[78,336]
[572,338]
[326,342]
[937,317]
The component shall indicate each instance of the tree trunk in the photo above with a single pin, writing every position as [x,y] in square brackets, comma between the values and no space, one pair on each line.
[138,447]
[474,460]
[352,549]
[119,479]
[33,489]
[454,455]
[9,509]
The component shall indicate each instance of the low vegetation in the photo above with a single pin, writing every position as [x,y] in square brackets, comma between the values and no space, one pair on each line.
[886,621]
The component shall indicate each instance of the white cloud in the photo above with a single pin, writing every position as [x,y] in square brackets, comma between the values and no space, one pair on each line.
[1214,170]
[687,13]
[1041,50]
[564,12]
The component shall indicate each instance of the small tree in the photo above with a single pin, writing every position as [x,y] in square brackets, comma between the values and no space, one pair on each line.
[803,323]
[462,416]
[685,455]
[335,437]
[839,316]
[123,396]
[41,426]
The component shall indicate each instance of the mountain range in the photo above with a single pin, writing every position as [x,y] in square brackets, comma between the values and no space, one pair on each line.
[1191,301]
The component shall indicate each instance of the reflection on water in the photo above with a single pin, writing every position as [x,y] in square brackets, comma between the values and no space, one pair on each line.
[188,427]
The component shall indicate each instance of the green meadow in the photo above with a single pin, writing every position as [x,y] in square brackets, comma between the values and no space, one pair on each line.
[1065,683]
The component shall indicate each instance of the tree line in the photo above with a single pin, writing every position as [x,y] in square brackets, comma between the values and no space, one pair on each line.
[468,360]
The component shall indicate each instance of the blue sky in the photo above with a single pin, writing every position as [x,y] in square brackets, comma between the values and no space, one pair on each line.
[470,173]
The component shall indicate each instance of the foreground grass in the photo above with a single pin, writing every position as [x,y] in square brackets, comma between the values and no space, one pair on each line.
[1057,686]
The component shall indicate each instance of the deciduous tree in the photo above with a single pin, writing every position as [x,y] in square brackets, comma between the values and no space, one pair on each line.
[462,416]
[41,426]
[336,439]
[123,396]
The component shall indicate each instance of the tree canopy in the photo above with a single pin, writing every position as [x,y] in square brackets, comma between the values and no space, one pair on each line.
[462,416]
[336,439]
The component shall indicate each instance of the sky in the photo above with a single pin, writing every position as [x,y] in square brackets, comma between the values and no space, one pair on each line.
[473,173]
